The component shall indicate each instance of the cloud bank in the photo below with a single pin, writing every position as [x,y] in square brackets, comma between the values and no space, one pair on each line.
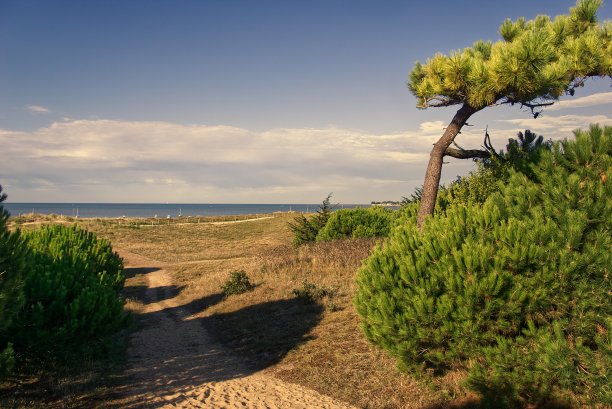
[129,161]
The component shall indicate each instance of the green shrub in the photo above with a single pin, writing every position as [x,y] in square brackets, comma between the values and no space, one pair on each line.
[372,222]
[237,283]
[309,293]
[305,229]
[516,290]
[72,292]
[13,254]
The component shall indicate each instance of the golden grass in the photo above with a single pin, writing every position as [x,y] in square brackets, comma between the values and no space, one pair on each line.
[318,345]
[333,357]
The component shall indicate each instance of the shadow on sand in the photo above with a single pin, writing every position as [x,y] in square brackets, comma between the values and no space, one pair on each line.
[263,334]
[175,351]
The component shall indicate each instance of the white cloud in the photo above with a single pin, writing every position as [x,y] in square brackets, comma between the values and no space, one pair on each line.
[38,109]
[590,100]
[118,144]
[129,161]
[433,127]
[556,127]
[199,163]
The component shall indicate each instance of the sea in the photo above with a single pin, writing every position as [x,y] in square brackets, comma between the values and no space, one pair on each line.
[114,210]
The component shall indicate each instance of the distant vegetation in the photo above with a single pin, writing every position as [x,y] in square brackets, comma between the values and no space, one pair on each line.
[372,222]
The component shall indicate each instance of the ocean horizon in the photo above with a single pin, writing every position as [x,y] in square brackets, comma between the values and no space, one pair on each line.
[113,210]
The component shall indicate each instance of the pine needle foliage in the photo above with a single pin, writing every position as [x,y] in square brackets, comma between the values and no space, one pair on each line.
[72,293]
[516,290]
[537,60]
[13,256]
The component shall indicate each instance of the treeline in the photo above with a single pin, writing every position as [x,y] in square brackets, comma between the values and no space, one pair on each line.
[59,294]
[509,279]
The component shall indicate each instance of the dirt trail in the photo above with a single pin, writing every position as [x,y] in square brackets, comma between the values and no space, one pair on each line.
[174,363]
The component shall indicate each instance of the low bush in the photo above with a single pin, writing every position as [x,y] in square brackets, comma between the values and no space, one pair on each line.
[310,293]
[72,289]
[237,283]
[516,290]
[358,223]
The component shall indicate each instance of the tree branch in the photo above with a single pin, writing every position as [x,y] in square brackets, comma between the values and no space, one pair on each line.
[461,153]
[467,153]
[487,144]
[532,106]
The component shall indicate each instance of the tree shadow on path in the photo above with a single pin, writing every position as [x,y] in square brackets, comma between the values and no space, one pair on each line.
[176,354]
[263,334]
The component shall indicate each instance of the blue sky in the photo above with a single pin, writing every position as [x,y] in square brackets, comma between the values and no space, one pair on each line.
[241,101]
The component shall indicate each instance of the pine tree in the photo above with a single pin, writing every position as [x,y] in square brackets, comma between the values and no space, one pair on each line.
[537,62]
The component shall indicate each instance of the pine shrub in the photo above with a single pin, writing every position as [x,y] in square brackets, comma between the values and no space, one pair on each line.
[305,230]
[237,283]
[13,254]
[516,290]
[72,292]
[372,222]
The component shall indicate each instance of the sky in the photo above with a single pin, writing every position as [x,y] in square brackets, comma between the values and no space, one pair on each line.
[259,101]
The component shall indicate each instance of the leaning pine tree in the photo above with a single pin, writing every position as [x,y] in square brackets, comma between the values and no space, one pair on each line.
[536,63]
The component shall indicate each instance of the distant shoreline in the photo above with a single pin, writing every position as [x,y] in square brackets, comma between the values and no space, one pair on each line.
[152,210]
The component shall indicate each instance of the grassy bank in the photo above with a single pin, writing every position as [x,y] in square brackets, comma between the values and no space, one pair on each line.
[297,323]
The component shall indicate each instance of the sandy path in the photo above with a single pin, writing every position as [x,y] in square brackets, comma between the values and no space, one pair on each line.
[174,363]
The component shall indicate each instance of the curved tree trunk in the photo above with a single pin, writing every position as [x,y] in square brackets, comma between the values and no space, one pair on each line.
[434,167]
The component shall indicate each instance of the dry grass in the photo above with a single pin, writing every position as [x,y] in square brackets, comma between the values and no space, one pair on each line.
[331,355]
[318,344]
